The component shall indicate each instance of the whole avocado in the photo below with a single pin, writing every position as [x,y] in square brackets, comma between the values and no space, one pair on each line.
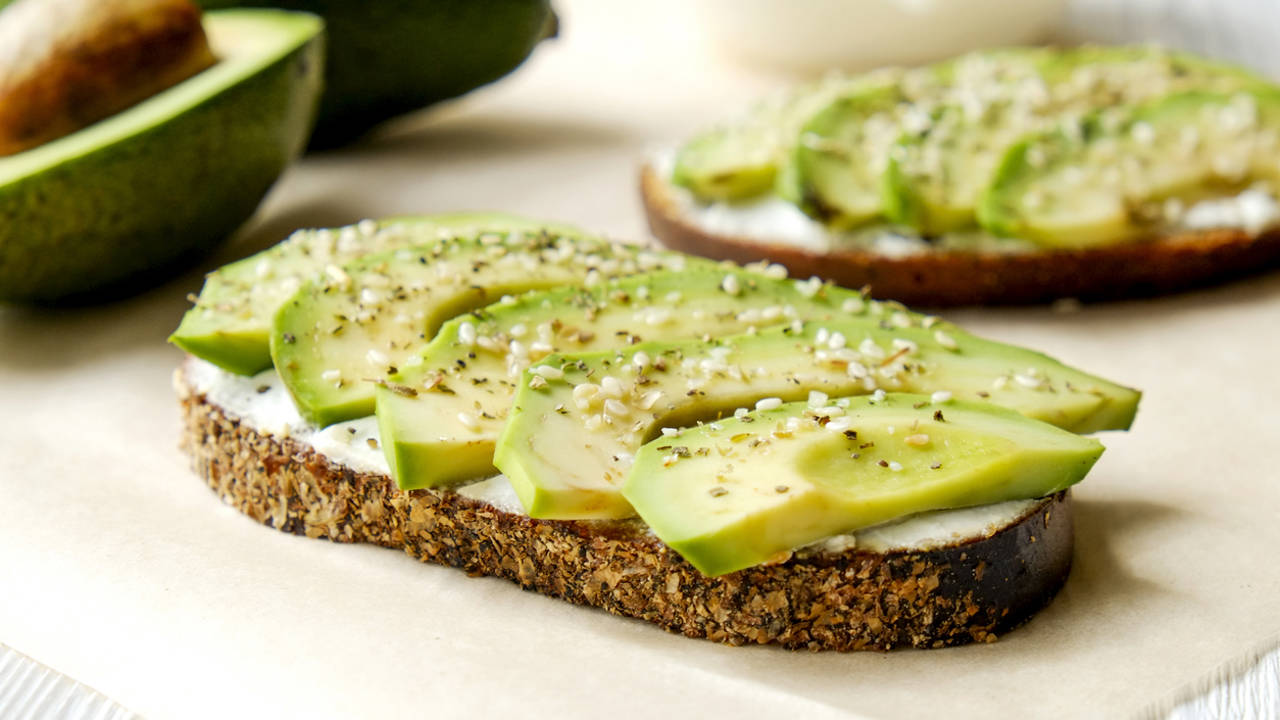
[389,57]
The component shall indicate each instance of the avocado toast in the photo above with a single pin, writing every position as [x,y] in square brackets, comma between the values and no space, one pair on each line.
[882,518]
[1004,176]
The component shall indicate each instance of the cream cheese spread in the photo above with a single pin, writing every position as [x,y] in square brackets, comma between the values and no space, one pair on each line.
[770,219]
[261,402]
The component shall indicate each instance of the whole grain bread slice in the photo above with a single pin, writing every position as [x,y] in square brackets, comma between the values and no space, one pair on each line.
[970,591]
[949,278]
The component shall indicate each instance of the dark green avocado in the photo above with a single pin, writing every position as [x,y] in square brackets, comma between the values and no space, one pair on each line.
[105,209]
[389,57]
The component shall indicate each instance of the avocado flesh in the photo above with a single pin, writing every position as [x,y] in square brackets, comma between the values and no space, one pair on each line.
[352,327]
[745,491]
[581,478]
[389,57]
[230,324]
[167,178]
[741,160]
[934,178]
[440,419]
[1116,181]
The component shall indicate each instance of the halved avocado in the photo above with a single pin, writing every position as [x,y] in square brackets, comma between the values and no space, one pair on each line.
[100,211]
[390,57]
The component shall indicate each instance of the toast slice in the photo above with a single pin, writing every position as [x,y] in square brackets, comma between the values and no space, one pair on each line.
[885,587]
[941,278]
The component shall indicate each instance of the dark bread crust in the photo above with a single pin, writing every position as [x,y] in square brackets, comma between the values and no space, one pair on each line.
[968,592]
[940,279]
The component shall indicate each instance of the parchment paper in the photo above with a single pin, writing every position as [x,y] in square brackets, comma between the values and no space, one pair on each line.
[120,568]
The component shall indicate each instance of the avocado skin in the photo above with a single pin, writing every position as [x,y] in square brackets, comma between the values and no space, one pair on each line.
[99,225]
[390,57]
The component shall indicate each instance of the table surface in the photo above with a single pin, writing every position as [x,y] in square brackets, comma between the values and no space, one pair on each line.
[123,571]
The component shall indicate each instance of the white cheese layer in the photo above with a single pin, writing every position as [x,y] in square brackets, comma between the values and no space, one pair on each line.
[262,403]
[771,220]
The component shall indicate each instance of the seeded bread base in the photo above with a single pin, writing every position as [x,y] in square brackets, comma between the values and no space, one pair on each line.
[942,279]
[856,600]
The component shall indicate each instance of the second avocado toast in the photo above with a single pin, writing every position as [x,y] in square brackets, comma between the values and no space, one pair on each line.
[1001,176]
[809,467]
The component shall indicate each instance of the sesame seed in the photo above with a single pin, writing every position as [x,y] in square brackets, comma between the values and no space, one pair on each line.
[717,491]
[837,341]
[918,440]
[548,372]
[878,395]
[616,408]
[853,305]
[670,432]
[770,403]
[537,382]
[895,466]
[331,375]
[817,398]
[610,387]
[649,399]
[940,396]
[945,340]
[731,285]
[468,420]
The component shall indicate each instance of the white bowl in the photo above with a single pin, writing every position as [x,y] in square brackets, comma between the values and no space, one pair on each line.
[815,35]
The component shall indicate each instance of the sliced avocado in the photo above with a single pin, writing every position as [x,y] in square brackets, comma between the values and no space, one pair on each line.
[741,160]
[610,406]
[1125,177]
[390,57]
[751,489]
[353,326]
[230,325]
[170,176]
[841,153]
[440,419]
[935,176]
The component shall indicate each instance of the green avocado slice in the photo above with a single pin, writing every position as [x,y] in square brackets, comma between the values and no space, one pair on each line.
[230,324]
[439,419]
[746,490]
[935,176]
[354,326]
[611,403]
[107,206]
[1126,177]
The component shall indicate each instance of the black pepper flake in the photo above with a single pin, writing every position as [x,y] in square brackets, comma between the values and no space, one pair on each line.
[372,442]
[883,463]
[851,434]
[855,456]
[935,466]
[866,445]
[263,388]
[983,394]
[289,339]
[717,491]
[680,451]
[781,489]
[937,415]
[917,406]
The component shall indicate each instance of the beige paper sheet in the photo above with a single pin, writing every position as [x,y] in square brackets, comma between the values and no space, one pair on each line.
[119,567]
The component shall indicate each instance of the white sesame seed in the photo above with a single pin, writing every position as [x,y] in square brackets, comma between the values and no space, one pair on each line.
[731,285]
[822,336]
[940,396]
[670,432]
[895,466]
[610,387]
[770,403]
[518,330]
[548,372]
[776,272]
[468,420]
[337,274]
[673,297]
[616,408]
[901,319]
[945,340]
[1027,380]
[649,399]
[740,412]
[593,422]
[641,359]
[857,370]
[585,394]
[839,425]
[810,287]
[837,341]
[376,357]
[999,383]
[900,344]
[817,398]
[331,375]
[853,305]
[918,440]
[878,395]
